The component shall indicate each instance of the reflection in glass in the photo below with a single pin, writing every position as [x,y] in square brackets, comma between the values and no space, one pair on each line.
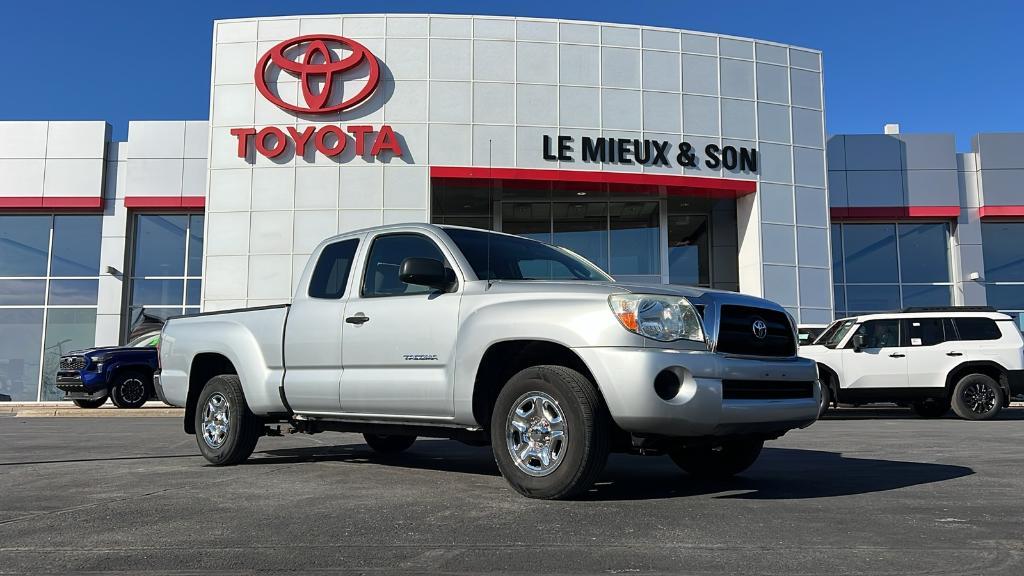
[635,238]
[840,298]
[870,251]
[22,292]
[872,298]
[583,228]
[918,295]
[76,246]
[159,245]
[74,292]
[688,261]
[837,254]
[192,289]
[24,242]
[21,331]
[1005,296]
[67,329]
[195,245]
[157,292]
[924,252]
[528,219]
[1003,246]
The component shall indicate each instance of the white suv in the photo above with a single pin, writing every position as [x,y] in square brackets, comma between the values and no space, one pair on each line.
[929,358]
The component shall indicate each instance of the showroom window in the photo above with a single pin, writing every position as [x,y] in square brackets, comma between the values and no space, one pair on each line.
[1004,267]
[881,267]
[166,267]
[49,280]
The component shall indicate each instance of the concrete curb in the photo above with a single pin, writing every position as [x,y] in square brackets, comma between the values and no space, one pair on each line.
[67,409]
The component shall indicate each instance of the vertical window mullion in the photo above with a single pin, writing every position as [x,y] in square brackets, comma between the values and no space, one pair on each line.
[46,307]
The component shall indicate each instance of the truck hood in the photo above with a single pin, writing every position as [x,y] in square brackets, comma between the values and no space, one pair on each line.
[694,294]
[104,350]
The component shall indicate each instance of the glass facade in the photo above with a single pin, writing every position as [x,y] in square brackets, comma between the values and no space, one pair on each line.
[166,265]
[880,267]
[49,279]
[1004,266]
[635,236]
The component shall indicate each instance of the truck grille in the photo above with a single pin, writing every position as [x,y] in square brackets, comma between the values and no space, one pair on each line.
[766,389]
[736,332]
[68,363]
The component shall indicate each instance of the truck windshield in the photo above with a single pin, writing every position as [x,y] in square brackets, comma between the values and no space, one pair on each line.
[513,258]
[835,333]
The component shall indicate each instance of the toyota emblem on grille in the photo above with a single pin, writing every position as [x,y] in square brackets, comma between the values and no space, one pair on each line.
[760,329]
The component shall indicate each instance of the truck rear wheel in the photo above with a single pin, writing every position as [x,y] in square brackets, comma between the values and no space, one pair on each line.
[718,461]
[388,444]
[549,432]
[977,397]
[226,430]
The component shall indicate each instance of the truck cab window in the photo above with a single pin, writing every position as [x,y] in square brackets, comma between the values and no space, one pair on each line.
[385,259]
[332,269]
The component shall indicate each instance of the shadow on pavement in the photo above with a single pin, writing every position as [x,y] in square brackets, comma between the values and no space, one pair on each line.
[780,473]
[898,413]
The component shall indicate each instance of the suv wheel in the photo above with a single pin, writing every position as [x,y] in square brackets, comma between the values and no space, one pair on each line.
[718,461]
[549,432]
[130,389]
[930,407]
[977,397]
[826,397]
[388,444]
[226,430]
[90,403]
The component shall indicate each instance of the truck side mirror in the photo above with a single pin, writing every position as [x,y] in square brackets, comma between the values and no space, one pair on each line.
[426,272]
[858,342]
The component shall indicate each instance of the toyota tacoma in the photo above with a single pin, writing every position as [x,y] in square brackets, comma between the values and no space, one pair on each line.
[415,330]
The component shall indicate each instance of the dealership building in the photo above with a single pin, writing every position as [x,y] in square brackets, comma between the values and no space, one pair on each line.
[662,155]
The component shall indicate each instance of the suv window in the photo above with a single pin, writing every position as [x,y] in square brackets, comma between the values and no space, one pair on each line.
[925,332]
[385,259]
[880,333]
[977,329]
[835,334]
[330,276]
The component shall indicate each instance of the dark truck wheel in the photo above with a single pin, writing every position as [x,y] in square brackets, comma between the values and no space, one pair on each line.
[388,444]
[549,432]
[718,461]
[130,389]
[90,403]
[226,430]
[930,407]
[977,397]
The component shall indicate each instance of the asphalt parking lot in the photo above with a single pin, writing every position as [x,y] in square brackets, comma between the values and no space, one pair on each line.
[872,491]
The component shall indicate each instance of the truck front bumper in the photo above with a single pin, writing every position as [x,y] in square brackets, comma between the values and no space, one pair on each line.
[75,387]
[679,393]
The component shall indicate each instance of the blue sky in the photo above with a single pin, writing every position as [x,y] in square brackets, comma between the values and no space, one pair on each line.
[932,66]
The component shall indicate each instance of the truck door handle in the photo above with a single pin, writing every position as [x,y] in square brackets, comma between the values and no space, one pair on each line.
[896,355]
[954,353]
[358,319]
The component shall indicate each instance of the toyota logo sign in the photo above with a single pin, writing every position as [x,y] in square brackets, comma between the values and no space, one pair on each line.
[318,67]
[760,329]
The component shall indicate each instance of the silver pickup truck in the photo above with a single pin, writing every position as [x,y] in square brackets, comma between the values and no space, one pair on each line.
[419,330]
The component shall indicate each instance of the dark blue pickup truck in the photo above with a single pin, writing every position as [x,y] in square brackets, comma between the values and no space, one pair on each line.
[122,373]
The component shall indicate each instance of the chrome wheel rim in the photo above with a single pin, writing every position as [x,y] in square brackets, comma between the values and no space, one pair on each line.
[216,420]
[536,434]
[979,397]
[133,391]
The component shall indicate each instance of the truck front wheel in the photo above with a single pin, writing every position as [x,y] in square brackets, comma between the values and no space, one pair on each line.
[718,461]
[549,432]
[130,389]
[226,430]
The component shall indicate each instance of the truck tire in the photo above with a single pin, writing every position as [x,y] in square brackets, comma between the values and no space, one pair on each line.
[716,462]
[930,407]
[826,398]
[977,397]
[388,444]
[550,432]
[131,389]
[90,403]
[226,430]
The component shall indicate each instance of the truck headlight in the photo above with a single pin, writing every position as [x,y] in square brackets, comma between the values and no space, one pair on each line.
[662,318]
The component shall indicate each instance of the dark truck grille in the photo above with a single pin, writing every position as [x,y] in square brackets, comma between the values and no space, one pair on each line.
[68,363]
[766,389]
[736,334]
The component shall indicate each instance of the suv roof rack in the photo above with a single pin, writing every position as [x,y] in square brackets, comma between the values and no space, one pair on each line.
[950,309]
